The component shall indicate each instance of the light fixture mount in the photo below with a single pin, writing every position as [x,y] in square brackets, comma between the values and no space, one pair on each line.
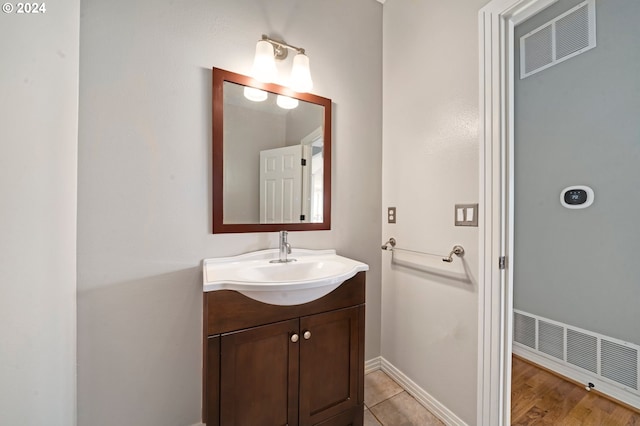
[280,48]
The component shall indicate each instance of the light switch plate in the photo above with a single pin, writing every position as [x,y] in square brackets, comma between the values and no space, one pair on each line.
[391,215]
[466,215]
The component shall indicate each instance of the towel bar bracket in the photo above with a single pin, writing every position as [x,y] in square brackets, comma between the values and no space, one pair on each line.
[457,250]
[390,242]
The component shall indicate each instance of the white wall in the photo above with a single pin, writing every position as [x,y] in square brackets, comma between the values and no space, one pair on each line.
[144,216]
[430,163]
[38,152]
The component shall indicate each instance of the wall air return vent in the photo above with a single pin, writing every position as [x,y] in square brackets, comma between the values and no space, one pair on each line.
[568,35]
[579,354]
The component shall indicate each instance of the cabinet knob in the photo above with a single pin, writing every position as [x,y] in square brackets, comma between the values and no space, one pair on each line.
[307,335]
[294,338]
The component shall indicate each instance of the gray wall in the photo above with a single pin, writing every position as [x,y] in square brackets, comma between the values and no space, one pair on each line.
[242,148]
[144,213]
[302,121]
[38,154]
[578,123]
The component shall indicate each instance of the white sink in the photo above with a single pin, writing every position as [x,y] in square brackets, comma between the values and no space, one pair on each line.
[314,274]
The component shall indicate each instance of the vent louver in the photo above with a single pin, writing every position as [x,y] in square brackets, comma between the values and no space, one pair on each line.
[538,50]
[551,340]
[582,350]
[620,363]
[572,32]
[524,330]
[568,35]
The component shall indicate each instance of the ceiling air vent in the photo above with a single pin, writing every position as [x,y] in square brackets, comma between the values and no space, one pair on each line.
[568,35]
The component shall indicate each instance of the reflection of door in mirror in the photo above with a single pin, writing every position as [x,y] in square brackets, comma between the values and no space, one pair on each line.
[291,182]
[281,184]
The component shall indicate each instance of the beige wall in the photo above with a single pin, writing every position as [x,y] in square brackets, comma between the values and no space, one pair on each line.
[144,216]
[145,204]
[430,163]
[38,153]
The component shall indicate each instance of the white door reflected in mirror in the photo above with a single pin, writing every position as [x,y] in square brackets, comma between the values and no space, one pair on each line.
[291,182]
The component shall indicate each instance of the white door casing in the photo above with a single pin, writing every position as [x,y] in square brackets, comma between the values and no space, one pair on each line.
[495,323]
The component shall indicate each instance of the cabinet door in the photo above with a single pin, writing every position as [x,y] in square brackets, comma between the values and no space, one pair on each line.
[259,376]
[212,382]
[329,348]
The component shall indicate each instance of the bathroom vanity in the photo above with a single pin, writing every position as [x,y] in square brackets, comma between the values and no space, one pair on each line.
[283,340]
[284,364]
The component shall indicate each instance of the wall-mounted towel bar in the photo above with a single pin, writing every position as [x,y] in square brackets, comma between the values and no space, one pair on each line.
[458,250]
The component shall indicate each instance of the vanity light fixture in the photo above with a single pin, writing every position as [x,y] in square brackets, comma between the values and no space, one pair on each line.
[300,74]
[264,65]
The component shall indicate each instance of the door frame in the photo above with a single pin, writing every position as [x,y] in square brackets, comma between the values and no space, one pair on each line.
[495,294]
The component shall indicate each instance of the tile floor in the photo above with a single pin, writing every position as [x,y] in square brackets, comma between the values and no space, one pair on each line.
[387,404]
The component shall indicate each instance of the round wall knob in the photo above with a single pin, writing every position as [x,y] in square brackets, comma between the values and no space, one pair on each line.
[294,338]
[307,335]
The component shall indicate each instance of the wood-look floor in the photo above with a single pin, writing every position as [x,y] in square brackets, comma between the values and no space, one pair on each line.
[539,397]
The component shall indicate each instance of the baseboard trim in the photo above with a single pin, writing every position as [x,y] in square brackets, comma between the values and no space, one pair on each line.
[422,396]
[374,364]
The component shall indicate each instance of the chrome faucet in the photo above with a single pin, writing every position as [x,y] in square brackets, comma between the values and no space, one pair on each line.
[284,249]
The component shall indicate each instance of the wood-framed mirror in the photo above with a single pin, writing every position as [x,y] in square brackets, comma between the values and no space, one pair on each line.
[271,157]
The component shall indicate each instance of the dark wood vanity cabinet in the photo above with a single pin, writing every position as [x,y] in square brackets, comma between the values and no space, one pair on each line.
[259,375]
[298,365]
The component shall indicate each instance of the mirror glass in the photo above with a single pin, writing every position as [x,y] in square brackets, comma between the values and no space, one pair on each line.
[271,156]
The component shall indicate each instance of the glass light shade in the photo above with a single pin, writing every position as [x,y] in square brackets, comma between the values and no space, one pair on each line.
[264,65]
[255,95]
[300,74]
[286,102]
